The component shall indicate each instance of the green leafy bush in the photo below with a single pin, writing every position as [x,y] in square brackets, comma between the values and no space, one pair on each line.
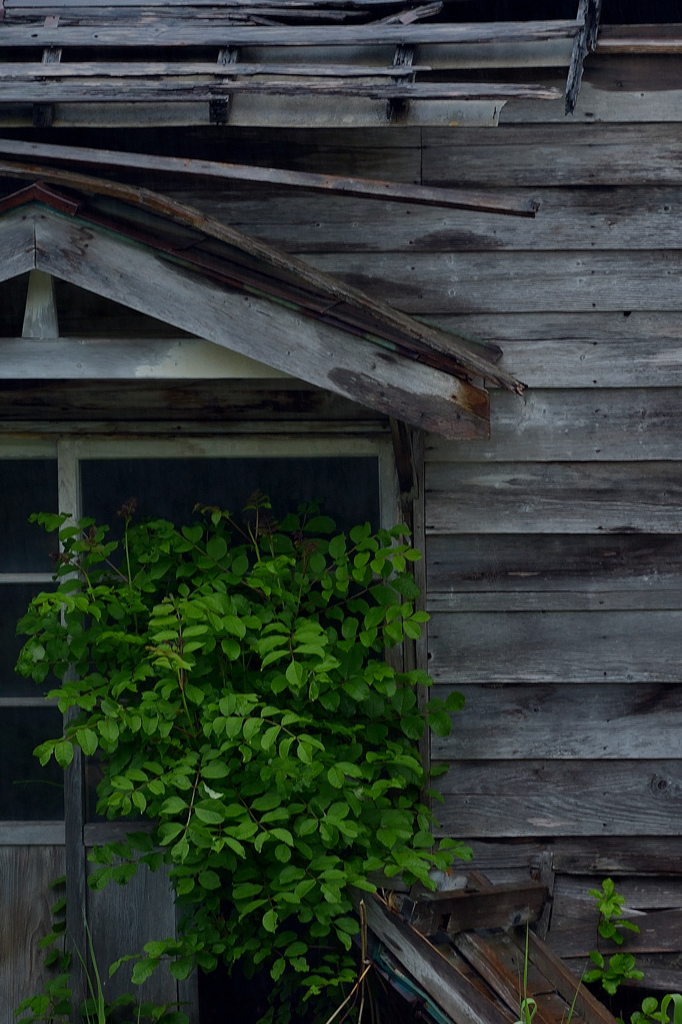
[232,679]
[621,966]
[610,906]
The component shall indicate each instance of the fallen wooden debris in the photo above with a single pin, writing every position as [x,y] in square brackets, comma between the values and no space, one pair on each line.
[478,977]
[502,906]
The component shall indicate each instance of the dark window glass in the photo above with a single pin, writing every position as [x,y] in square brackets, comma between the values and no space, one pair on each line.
[26,486]
[12,306]
[14,601]
[347,487]
[27,791]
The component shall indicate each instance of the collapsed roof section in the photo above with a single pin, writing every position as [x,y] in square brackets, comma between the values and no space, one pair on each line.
[174,263]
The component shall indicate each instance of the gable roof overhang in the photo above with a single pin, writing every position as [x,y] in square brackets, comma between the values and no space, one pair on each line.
[172,262]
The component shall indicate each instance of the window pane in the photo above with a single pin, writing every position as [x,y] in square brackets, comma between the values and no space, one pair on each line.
[27,791]
[347,487]
[26,486]
[14,601]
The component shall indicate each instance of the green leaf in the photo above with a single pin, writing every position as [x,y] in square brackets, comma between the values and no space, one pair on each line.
[216,548]
[209,880]
[87,741]
[455,701]
[173,805]
[270,921]
[320,524]
[63,753]
[440,722]
[143,969]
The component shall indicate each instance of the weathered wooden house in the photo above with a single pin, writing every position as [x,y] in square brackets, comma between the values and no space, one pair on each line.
[205,287]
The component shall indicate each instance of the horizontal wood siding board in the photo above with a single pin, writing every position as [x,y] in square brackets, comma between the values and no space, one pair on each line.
[563,647]
[560,601]
[425,284]
[563,722]
[568,798]
[660,932]
[595,219]
[582,425]
[572,891]
[618,349]
[554,155]
[560,497]
[531,565]
[649,856]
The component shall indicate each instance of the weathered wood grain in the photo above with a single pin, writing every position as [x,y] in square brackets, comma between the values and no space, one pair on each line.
[535,567]
[125,358]
[576,995]
[204,34]
[572,891]
[562,647]
[258,328]
[618,218]
[173,89]
[32,833]
[569,497]
[596,424]
[597,856]
[567,798]
[476,282]
[554,155]
[16,250]
[561,722]
[123,919]
[25,901]
[451,990]
[582,350]
[660,932]
[215,401]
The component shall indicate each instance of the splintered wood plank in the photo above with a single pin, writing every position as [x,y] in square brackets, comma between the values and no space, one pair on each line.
[566,984]
[554,155]
[562,647]
[568,798]
[597,721]
[570,281]
[509,954]
[484,569]
[173,89]
[25,901]
[260,329]
[204,34]
[620,349]
[595,424]
[505,982]
[574,497]
[450,989]
[500,906]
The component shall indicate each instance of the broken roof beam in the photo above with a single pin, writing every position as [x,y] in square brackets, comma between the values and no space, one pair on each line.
[200,33]
[589,13]
[644,39]
[460,199]
[171,90]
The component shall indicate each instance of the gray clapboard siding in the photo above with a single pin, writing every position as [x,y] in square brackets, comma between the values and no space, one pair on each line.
[560,722]
[25,871]
[567,219]
[620,349]
[482,282]
[660,932]
[569,497]
[572,891]
[564,647]
[597,424]
[530,565]
[16,250]
[554,154]
[123,919]
[567,798]
[651,856]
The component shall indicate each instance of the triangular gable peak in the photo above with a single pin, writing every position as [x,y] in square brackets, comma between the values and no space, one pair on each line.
[171,262]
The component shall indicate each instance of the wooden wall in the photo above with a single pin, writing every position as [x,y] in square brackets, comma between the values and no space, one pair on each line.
[555,549]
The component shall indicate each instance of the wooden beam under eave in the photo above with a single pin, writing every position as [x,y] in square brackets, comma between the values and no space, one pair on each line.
[260,328]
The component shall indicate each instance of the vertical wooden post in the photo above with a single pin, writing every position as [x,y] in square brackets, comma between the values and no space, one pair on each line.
[74,776]
[40,313]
